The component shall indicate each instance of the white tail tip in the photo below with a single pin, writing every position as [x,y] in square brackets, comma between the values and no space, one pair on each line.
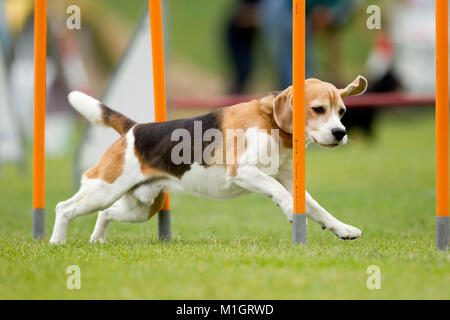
[87,106]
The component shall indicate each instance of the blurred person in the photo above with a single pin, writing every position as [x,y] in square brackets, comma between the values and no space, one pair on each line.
[240,37]
[403,48]
[276,18]
[321,15]
[327,17]
[381,79]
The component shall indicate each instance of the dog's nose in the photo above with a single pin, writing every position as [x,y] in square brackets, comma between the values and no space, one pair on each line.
[338,133]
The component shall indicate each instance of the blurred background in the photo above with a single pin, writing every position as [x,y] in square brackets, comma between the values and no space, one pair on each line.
[217,53]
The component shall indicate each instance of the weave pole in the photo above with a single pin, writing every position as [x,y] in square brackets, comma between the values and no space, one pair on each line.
[40,61]
[299,219]
[442,126]
[159,83]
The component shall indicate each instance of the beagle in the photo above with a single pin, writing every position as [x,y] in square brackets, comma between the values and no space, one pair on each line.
[220,155]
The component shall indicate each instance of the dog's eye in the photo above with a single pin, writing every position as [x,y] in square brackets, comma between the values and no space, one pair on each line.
[319,110]
[341,112]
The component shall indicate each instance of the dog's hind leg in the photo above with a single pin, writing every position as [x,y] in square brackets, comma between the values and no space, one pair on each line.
[126,209]
[94,195]
[117,172]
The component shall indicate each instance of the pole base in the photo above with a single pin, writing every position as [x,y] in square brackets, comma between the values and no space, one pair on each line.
[442,231]
[164,233]
[299,229]
[38,223]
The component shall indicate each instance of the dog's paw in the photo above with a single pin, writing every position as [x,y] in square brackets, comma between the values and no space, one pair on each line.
[290,217]
[345,231]
[96,239]
[57,241]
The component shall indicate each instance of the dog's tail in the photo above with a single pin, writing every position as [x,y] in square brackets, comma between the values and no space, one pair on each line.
[98,113]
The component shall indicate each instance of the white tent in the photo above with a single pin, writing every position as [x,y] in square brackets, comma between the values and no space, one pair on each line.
[11,147]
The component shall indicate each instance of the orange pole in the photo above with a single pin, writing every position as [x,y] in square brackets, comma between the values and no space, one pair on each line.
[442,111]
[299,232]
[40,60]
[159,82]
[442,123]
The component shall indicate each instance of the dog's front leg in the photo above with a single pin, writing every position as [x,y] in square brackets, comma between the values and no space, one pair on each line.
[326,220]
[253,179]
[322,216]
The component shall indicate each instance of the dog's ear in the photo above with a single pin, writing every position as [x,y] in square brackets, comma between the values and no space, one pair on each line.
[282,110]
[356,88]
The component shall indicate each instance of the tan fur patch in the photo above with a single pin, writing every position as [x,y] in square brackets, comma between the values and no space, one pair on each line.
[256,113]
[146,169]
[110,165]
[317,90]
[266,106]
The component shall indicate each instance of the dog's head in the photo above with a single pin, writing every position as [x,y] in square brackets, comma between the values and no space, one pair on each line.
[323,112]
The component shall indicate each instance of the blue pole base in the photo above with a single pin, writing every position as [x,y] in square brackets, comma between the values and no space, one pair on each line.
[164,233]
[299,229]
[442,226]
[38,223]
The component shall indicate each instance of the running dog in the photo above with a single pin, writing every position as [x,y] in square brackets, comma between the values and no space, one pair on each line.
[131,179]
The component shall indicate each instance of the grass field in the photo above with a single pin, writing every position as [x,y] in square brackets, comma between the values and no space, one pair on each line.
[242,248]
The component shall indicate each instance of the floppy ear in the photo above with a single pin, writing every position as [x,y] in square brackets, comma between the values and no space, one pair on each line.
[282,110]
[357,87]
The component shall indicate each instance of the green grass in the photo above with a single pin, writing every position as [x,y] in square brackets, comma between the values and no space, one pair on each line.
[241,248]
[129,10]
